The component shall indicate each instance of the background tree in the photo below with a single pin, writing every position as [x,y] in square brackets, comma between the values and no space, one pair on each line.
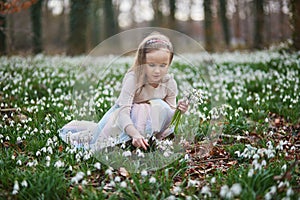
[208,29]
[36,21]
[258,24]
[295,9]
[2,34]
[111,26]
[224,21]
[78,26]
[158,16]
[172,10]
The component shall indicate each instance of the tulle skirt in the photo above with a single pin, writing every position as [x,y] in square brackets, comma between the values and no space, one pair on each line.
[148,118]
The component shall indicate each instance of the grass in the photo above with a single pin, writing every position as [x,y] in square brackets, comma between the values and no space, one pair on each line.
[255,141]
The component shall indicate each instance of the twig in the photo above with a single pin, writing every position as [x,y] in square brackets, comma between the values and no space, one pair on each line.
[8,109]
[214,159]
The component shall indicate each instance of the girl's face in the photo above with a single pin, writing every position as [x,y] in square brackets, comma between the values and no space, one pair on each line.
[157,64]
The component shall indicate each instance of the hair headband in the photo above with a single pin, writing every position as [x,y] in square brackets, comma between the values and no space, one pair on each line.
[152,41]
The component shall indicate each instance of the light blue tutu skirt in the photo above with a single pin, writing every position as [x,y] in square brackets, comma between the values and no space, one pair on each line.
[148,118]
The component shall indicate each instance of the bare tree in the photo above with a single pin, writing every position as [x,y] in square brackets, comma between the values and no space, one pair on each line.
[78,26]
[36,21]
[172,9]
[2,34]
[224,21]
[208,28]
[111,25]
[295,9]
[258,24]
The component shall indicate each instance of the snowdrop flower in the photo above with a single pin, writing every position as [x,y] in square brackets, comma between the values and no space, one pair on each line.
[108,172]
[283,168]
[78,177]
[152,180]
[206,190]
[123,184]
[24,183]
[84,182]
[236,189]
[59,164]
[176,189]
[38,153]
[13,157]
[19,162]
[126,153]
[289,192]
[117,179]
[140,153]
[281,144]
[186,157]
[16,188]
[213,180]
[171,197]
[97,165]
[193,183]
[88,173]
[144,173]
[224,190]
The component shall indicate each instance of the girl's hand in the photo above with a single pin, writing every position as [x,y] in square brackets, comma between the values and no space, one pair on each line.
[183,105]
[140,142]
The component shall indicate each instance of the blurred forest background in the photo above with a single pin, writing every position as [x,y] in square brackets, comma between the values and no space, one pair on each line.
[75,27]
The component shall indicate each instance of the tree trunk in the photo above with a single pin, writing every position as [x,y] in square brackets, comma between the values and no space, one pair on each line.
[208,25]
[96,34]
[78,26]
[295,6]
[36,21]
[2,35]
[224,20]
[258,24]
[110,22]
[172,8]
[157,20]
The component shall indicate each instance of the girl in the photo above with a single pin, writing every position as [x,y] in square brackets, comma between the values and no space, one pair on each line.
[145,106]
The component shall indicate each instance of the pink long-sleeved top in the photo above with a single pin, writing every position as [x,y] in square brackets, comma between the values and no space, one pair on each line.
[166,90]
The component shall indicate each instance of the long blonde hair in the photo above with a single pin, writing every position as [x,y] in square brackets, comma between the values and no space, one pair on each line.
[152,42]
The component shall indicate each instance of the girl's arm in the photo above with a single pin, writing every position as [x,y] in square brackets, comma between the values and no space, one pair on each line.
[125,101]
[137,139]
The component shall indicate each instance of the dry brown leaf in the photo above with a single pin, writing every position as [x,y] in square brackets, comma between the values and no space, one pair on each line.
[123,172]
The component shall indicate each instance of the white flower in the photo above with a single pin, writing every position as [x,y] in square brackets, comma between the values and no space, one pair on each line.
[140,153]
[88,173]
[78,177]
[126,153]
[19,162]
[24,183]
[97,165]
[193,183]
[171,197]
[38,153]
[289,192]
[16,188]
[224,190]
[176,189]
[123,184]
[186,156]
[59,164]
[213,180]
[117,179]
[206,190]
[144,173]
[236,189]
[108,171]
[152,180]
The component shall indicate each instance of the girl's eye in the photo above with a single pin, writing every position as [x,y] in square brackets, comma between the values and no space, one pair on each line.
[163,65]
[152,65]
